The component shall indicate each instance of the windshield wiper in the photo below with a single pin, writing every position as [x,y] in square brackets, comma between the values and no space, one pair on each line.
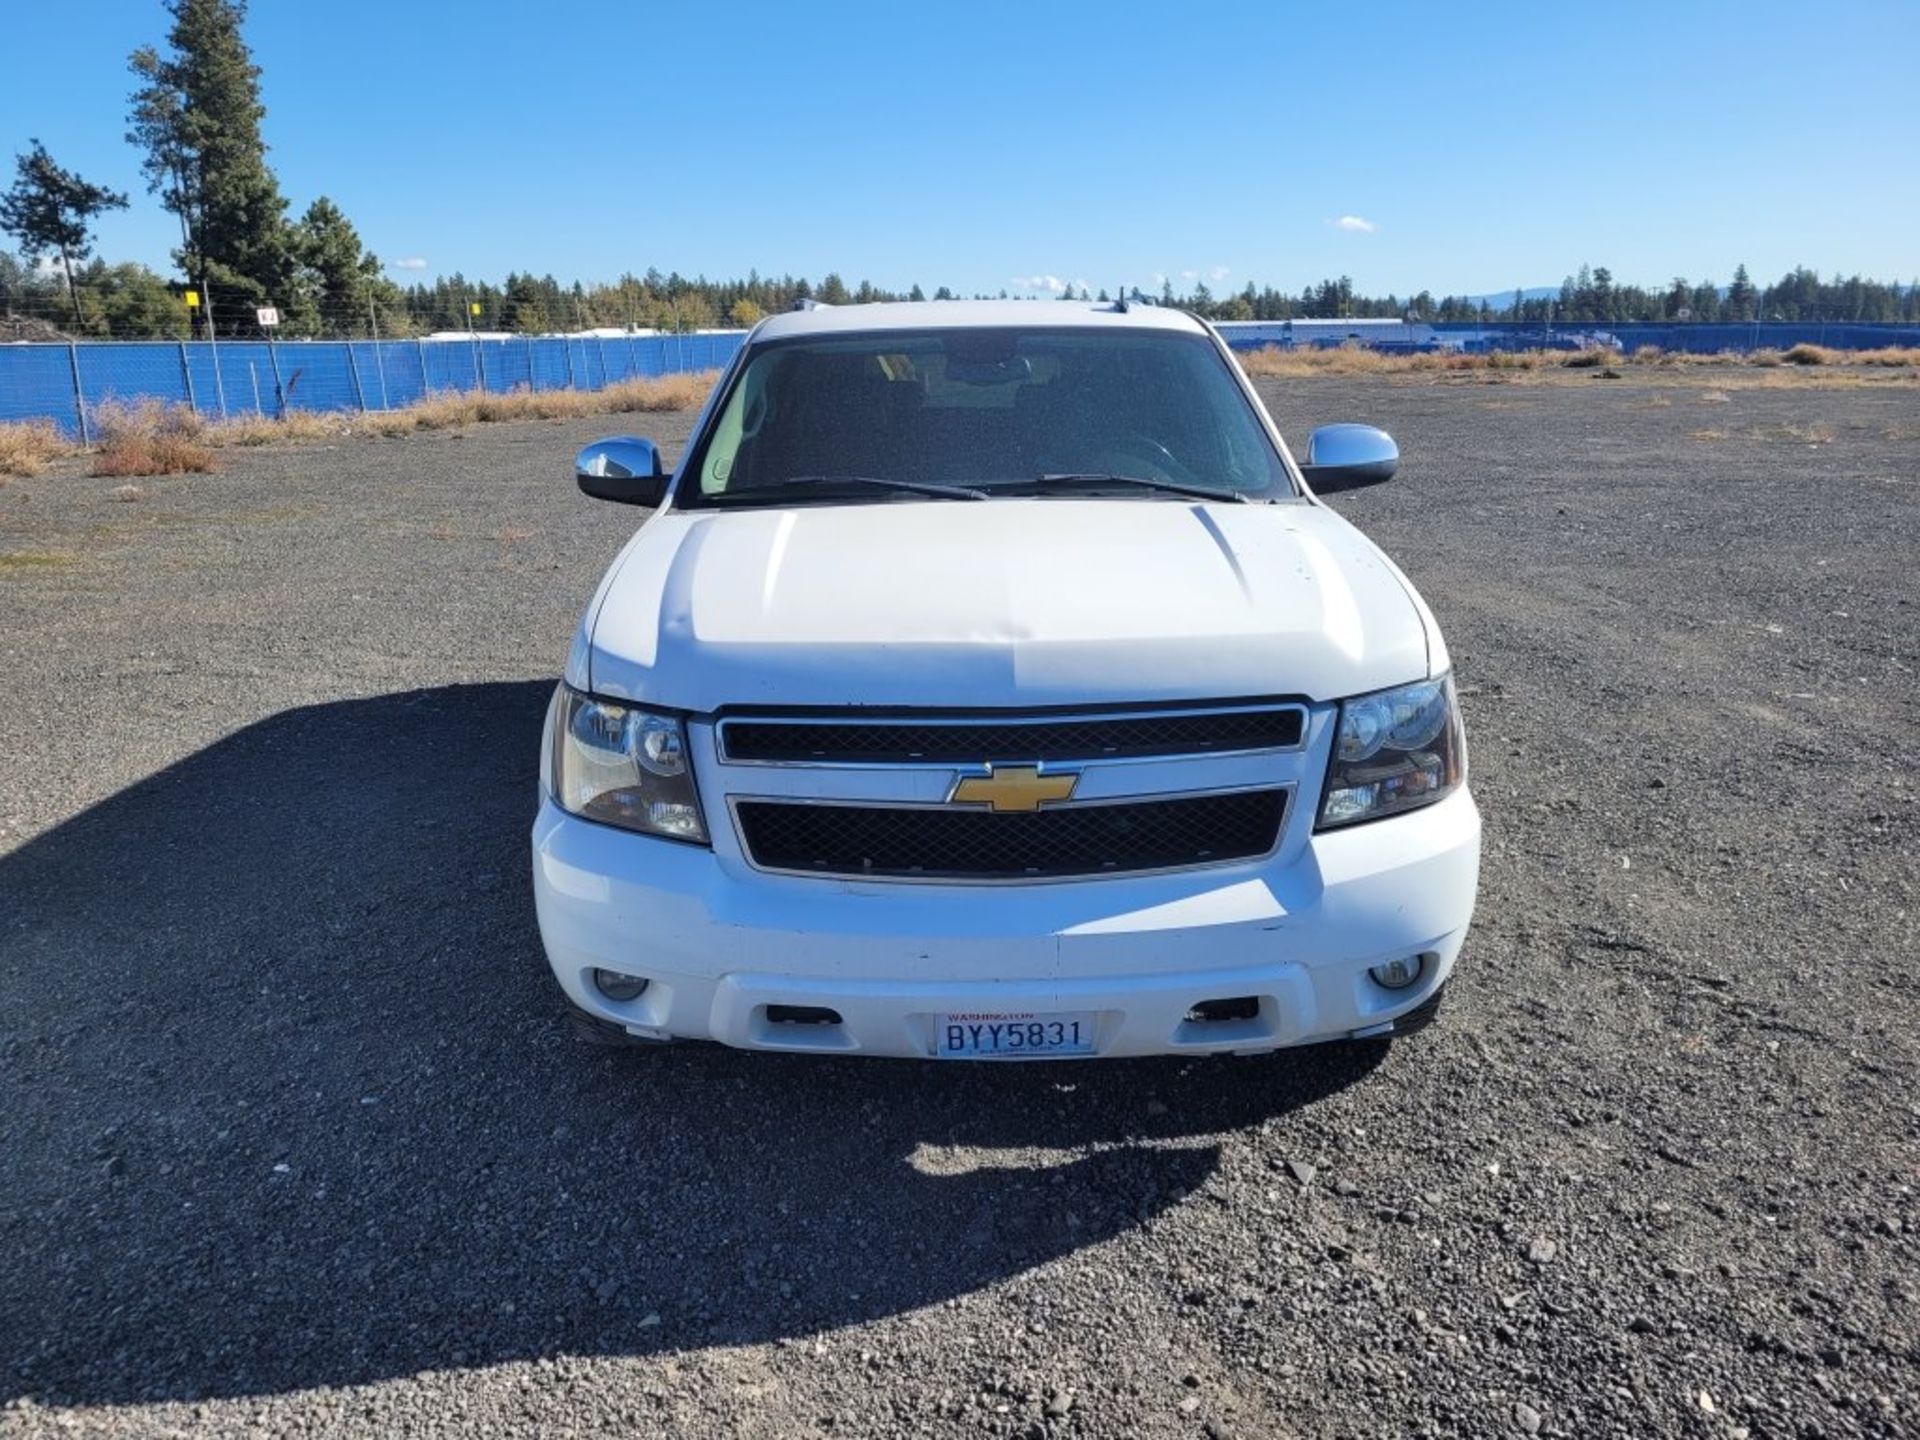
[1093,480]
[868,482]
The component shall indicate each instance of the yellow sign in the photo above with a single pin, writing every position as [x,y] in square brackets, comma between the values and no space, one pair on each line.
[193,299]
[474,308]
[1014,788]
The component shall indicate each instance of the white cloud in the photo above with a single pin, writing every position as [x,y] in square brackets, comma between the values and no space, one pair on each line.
[1354,225]
[1052,284]
[1213,274]
[410,262]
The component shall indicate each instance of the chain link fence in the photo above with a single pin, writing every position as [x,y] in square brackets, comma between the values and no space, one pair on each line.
[1693,338]
[67,383]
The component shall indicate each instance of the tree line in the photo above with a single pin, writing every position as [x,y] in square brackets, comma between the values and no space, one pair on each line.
[195,118]
[130,302]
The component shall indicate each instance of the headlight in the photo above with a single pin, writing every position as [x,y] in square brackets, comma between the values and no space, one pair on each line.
[622,766]
[1395,750]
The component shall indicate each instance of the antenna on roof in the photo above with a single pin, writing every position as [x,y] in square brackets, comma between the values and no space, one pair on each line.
[1120,300]
[807,302]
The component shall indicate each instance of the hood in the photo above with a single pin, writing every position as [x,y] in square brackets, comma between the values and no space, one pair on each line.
[1007,603]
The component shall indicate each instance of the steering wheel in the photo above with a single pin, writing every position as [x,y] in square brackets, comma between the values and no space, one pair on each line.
[1137,445]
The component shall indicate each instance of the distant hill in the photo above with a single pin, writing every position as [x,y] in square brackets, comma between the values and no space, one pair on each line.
[1503,299]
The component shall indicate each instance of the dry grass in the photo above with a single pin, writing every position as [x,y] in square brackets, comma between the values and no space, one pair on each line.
[295,425]
[153,437]
[1358,360]
[154,455]
[455,408]
[1888,356]
[1805,354]
[21,561]
[129,493]
[150,438]
[1901,356]
[1803,365]
[1818,433]
[27,445]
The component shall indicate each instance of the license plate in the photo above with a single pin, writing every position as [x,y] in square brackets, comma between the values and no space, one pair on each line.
[1015,1035]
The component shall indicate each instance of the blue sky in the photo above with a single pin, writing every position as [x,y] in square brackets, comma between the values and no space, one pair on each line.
[1463,148]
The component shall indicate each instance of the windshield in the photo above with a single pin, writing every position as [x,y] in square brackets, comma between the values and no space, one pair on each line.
[1002,411]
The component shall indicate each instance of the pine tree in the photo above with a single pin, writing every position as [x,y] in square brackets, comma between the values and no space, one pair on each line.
[197,115]
[50,211]
[1604,297]
[1741,296]
[342,279]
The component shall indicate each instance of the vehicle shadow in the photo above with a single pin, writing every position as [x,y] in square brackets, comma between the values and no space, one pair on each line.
[287,1100]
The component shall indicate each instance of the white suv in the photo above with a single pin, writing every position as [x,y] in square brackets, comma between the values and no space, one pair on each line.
[988,682]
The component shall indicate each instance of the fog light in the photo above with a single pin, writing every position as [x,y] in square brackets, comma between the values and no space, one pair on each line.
[616,986]
[1397,974]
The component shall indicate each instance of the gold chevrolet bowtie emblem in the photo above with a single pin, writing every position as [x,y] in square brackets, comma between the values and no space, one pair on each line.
[1014,787]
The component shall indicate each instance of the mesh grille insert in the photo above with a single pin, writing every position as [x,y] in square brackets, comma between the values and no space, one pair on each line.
[930,843]
[903,740]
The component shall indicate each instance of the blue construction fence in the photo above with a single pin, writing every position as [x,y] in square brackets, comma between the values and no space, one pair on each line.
[1701,339]
[67,383]
[1473,337]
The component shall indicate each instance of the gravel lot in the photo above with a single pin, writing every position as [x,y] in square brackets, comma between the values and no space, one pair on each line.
[296,1140]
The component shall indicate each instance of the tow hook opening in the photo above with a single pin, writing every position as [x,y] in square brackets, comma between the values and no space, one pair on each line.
[1230,1022]
[1237,1007]
[802,1015]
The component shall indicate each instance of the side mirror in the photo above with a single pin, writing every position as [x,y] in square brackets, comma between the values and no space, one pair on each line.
[1342,457]
[624,470]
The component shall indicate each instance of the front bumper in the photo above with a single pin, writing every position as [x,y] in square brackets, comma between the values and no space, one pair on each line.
[720,943]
